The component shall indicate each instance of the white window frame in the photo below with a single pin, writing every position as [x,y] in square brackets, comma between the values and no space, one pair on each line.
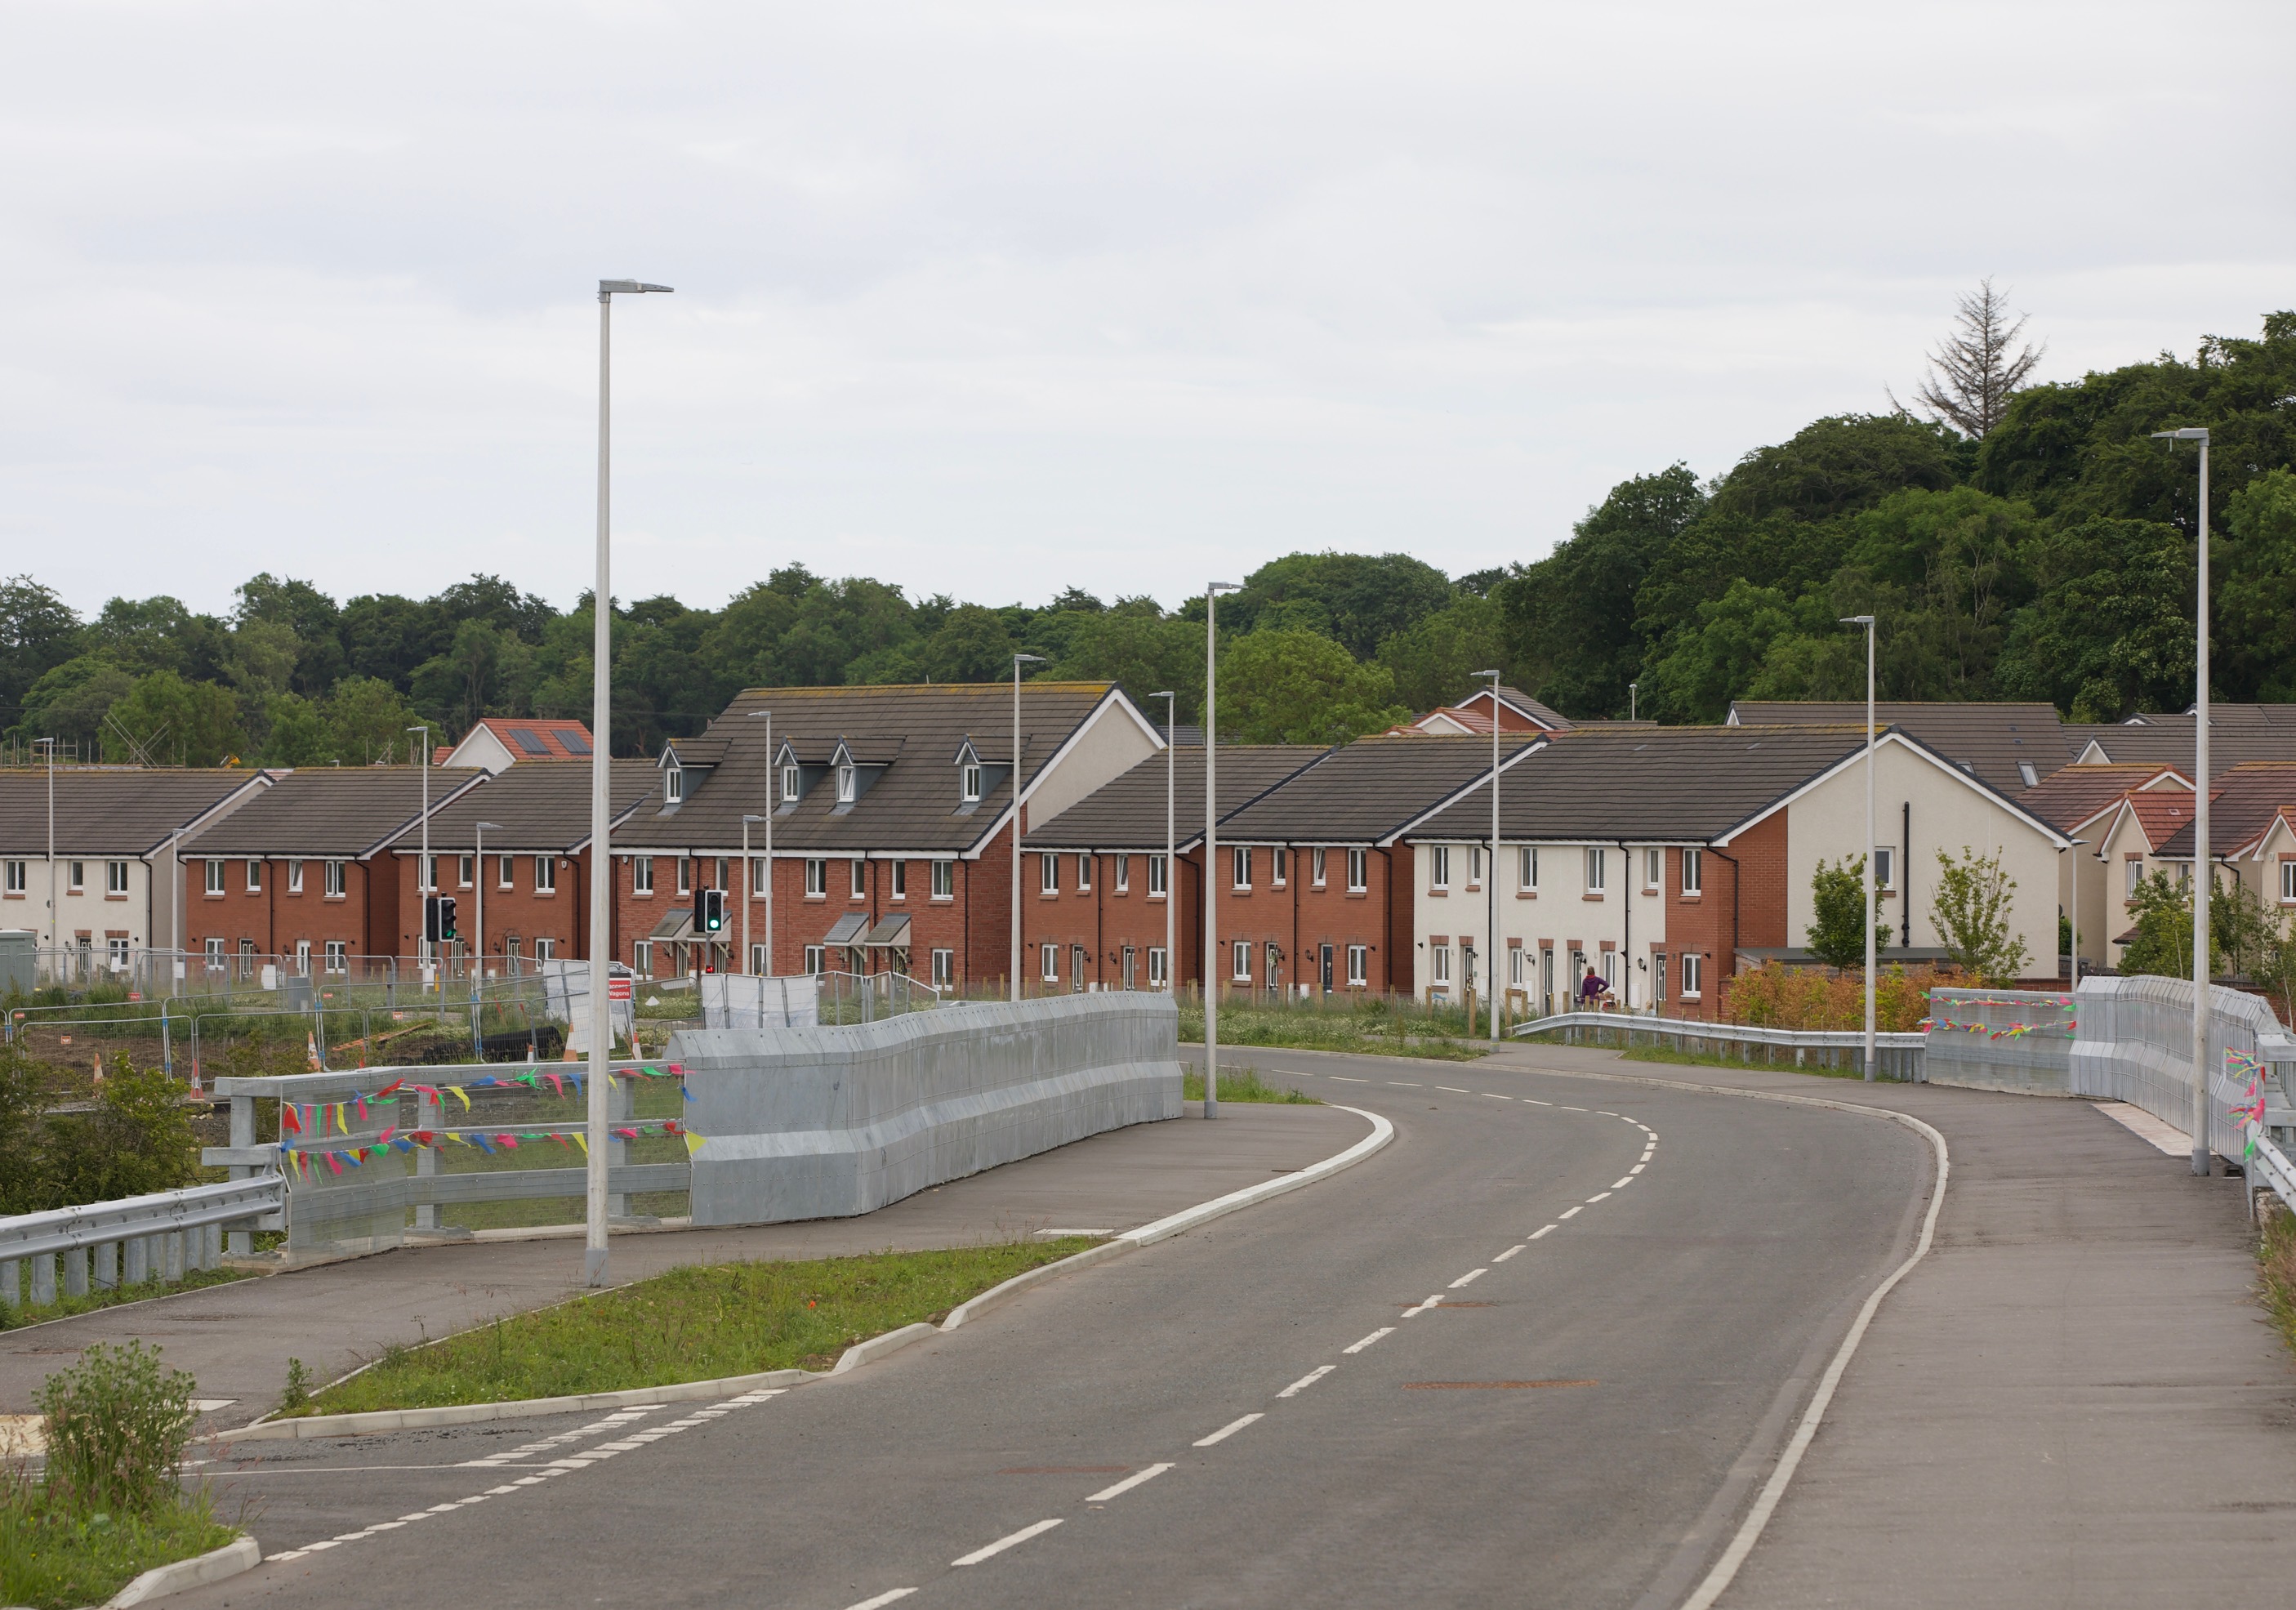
[337,884]
[1474,865]
[969,785]
[1358,871]
[1526,869]
[898,885]
[860,874]
[211,948]
[337,955]
[1358,967]
[545,874]
[1658,977]
[115,877]
[1159,881]
[817,882]
[1885,866]
[816,959]
[1598,869]
[1653,869]
[506,872]
[944,970]
[1694,976]
[17,885]
[1241,950]
[790,776]
[1084,873]
[76,878]
[255,874]
[1048,963]
[642,957]
[1240,868]
[1439,867]
[1316,868]
[1438,964]
[1279,868]
[684,875]
[673,785]
[545,948]
[758,965]
[214,882]
[1156,973]
[642,875]
[1048,873]
[944,879]
[2288,881]
[1694,872]
[427,866]
[2136,875]
[1124,874]
[845,783]
[760,871]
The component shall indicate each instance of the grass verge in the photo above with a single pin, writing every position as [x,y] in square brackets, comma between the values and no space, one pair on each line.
[1243,1084]
[2275,1257]
[65,1308]
[692,1324]
[1364,1034]
[1709,1059]
[55,1555]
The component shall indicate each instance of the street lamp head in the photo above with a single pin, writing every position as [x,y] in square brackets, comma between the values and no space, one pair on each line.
[1223,586]
[607,288]
[1028,660]
[1857,619]
[2189,433]
[489,826]
[746,817]
[1485,673]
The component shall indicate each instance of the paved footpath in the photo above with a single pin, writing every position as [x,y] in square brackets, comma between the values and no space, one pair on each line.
[236,1339]
[2074,1399]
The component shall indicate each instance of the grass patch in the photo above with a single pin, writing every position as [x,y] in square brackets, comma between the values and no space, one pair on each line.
[1439,1034]
[690,1324]
[1241,1084]
[65,1308]
[54,1555]
[1713,1059]
[2275,1256]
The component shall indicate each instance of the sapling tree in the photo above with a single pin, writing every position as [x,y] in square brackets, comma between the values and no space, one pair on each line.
[1838,898]
[1971,906]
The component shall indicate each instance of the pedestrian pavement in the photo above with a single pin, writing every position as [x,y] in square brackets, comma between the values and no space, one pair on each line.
[236,1339]
[2075,1399]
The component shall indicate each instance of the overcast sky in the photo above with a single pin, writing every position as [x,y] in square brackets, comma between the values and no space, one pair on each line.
[997,299]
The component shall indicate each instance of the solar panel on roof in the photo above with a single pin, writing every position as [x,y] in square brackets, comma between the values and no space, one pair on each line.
[576,741]
[529,741]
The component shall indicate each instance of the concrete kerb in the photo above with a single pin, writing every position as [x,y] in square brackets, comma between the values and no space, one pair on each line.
[241,1554]
[854,1358]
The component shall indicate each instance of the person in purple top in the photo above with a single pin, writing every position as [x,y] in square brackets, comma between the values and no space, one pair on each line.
[1592,991]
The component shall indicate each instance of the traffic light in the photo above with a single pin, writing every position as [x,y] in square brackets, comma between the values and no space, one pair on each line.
[709,911]
[438,918]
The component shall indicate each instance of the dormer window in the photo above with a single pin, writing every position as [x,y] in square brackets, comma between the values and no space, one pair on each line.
[845,785]
[972,784]
[673,786]
[789,785]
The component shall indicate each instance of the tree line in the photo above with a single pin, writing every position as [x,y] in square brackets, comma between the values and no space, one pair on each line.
[2021,543]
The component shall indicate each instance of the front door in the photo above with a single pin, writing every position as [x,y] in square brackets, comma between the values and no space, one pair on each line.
[1323,968]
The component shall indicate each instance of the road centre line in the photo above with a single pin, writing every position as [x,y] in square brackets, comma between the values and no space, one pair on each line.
[1511,1251]
[1221,1436]
[1570,1214]
[1307,1380]
[1596,1197]
[1622,1184]
[1572,1109]
[1384,1330]
[1542,1230]
[1455,1090]
[1344,1080]
[1535,1102]
[1423,1307]
[1495,1096]
[1127,1484]
[882,1599]
[1606,1113]
[1471,1275]
[1010,1540]
[1403,1084]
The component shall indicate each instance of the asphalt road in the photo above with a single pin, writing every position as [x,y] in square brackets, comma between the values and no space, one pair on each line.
[1534,1353]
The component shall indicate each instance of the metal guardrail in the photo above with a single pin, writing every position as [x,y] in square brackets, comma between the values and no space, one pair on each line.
[1898,1056]
[108,1244]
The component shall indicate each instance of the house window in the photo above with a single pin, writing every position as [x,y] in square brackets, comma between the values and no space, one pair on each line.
[1084,872]
[944,969]
[2288,881]
[2136,874]
[641,959]
[1123,875]
[1885,866]
[215,876]
[1694,871]
[641,873]
[1439,867]
[545,874]
[1358,967]
[944,879]
[1159,880]
[844,785]
[758,873]
[789,785]
[900,872]
[1597,868]
[1526,869]
[2025,770]
[1474,866]
[545,949]
[1157,972]
[673,786]
[114,876]
[1653,868]
[816,885]
[212,947]
[16,877]
[1243,961]
[1051,970]
[466,869]
[757,961]
[1658,977]
[1358,871]
[1438,964]
[686,875]
[75,879]
[971,789]
[339,956]
[430,864]
[1514,965]
[1315,868]
[338,878]
[860,872]
[816,959]
[255,877]
[1241,856]
[1279,865]
[505,877]
[1048,873]
[1694,976]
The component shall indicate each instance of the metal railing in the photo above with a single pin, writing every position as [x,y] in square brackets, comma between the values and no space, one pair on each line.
[126,1242]
[150,973]
[1897,1057]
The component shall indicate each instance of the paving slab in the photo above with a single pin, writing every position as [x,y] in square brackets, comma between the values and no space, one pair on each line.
[236,1339]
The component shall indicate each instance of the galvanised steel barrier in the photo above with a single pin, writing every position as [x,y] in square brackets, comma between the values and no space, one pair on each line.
[1897,1056]
[137,1239]
[2018,1040]
[2134,1043]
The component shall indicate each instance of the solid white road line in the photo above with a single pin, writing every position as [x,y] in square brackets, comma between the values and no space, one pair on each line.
[1010,1541]
[1307,1380]
[882,1599]
[1221,1436]
[1384,1330]
[1472,1274]
[1125,1485]
[1511,1251]
[1544,1229]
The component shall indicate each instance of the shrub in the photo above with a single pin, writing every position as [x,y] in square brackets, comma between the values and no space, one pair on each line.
[138,1139]
[117,1425]
[1775,997]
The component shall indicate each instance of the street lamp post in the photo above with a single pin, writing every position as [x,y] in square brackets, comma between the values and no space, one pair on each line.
[1867,623]
[55,924]
[478,894]
[602,745]
[1212,845]
[1491,879]
[1633,690]
[750,885]
[1171,711]
[2204,877]
[773,803]
[426,884]
[2075,845]
[1018,661]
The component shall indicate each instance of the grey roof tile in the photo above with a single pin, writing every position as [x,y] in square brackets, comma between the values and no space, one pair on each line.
[540,808]
[334,813]
[1367,790]
[1128,813]
[115,811]
[1988,740]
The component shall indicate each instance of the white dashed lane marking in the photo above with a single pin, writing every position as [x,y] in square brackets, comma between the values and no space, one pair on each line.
[882,1599]
[1307,1380]
[1454,1089]
[1221,1436]
[1574,1212]
[1470,1275]
[1423,1307]
[1384,1330]
[1010,1540]
[1511,1251]
[1127,1484]
[1544,1230]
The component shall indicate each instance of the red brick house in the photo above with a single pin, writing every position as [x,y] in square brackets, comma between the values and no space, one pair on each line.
[305,872]
[891,811]
[521,884]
